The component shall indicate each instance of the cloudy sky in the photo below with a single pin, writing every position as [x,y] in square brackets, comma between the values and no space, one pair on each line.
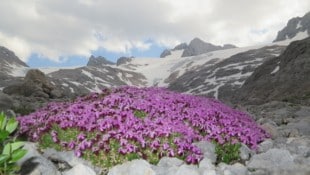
[67,32]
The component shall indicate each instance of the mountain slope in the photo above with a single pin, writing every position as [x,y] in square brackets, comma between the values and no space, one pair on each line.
[295,26]
[195,47]
[219,78]
[284,78]
[10,67]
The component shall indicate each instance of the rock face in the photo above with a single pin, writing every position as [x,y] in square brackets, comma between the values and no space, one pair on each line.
[220,79]
[123,60]
[98,61]
[293,27]
[9,62]
[197,47]
[283,78]
[35,84]
[52,162]
[167,52]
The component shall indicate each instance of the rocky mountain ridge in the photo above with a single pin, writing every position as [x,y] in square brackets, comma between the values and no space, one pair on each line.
[282,78]
[294,27]
[195,47]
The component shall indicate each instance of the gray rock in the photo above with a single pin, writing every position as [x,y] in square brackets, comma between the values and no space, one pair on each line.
[272,159]
[134,167]
[8,61]
[123,60]
[80,169]
[169,161]
[208,150]
[69,158]
[299,146]
[265,145]
[167,165]
[35,84]
[98,61]
[289,83]
[6,102]
[187,169]
[214,78]
[235,169]
[206,167]
[245,152]
[294,26]
[34,163]
[197,47]
[271,129]
[165,53]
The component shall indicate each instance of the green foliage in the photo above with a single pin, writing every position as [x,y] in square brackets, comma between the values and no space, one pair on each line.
[227,152]
[140,113]
[10,149]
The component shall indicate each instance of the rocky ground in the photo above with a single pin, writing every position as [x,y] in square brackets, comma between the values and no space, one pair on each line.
[286,152]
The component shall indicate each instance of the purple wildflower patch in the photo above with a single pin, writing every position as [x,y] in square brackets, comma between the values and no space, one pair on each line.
[137,119]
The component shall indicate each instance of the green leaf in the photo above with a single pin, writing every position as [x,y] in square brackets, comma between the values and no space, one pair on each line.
[18,154]
[3,158]
[2,121]
[3,135]
[7,149]
[11,125]
[16,145]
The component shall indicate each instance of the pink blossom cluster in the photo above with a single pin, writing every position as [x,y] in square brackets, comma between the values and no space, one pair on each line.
[110,115]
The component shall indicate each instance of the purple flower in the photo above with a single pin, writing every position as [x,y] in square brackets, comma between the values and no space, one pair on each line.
[171,124]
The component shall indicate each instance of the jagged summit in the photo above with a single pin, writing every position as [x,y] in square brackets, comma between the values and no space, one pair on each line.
[98,61]
[295,26]
[195,47]
[9,57]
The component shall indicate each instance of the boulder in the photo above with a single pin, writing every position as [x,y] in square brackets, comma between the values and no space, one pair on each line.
[35,84]
[134,167]
[6,102]
[272,159]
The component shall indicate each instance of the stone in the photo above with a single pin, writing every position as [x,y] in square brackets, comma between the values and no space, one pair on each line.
[6,102]
[208,150]
[134,167]
[265,145]
[271,129]
[56,93]
[187,169]
[63,159]
[80,169]
[237,169]
[169,161]
[34,163]
[206,167]
[209,172]
[167,166]
[245,152]
[272,159]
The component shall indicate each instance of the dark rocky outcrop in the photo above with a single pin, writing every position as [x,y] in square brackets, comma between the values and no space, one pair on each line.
[294,26]
[197,47]
[98,61]
[35,84]
[165,53]
[123,60]
[283,78]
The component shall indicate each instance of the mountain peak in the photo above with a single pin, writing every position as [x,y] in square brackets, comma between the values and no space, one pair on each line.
[195,47]
[9,57]
[198,46]
[294,27]
[98,61]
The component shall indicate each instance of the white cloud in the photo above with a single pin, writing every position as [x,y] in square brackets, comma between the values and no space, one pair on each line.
[57,28]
